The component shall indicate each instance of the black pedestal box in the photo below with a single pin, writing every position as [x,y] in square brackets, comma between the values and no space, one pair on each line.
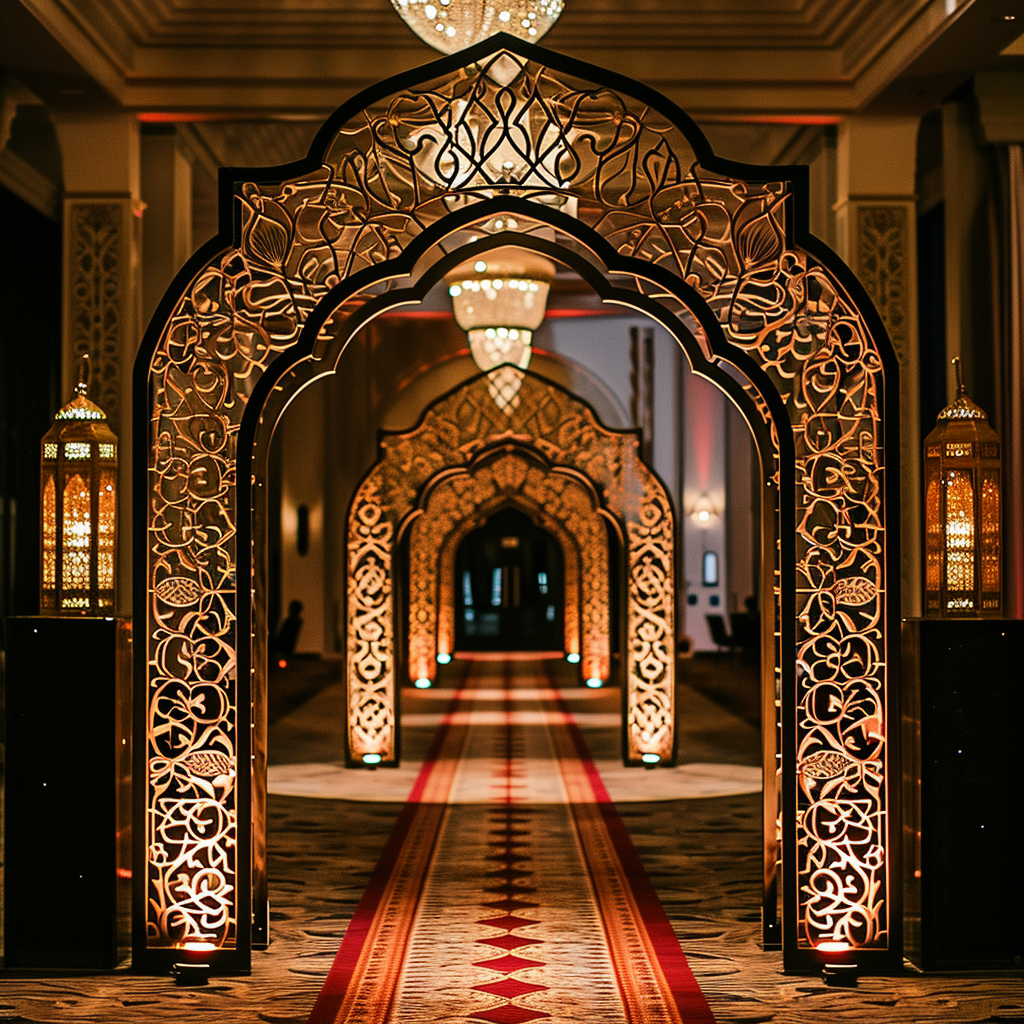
[68,778]
[963,719]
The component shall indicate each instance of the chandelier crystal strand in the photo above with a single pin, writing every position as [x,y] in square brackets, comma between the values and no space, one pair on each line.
[451,25]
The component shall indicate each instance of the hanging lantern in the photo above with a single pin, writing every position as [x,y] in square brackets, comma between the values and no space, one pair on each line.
[962,482]
[79,503]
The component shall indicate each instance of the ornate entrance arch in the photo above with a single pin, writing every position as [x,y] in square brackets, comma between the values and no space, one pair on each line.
[460,502]
[444,610]
[612,179]
[438,464]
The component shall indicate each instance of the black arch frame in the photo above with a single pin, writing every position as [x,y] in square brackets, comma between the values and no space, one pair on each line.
[797,234]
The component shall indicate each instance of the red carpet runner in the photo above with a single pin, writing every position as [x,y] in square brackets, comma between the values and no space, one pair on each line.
[509,892]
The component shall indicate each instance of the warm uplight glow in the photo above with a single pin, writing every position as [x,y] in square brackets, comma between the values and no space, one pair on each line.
[198,951]
[573,658]
[194,969]
[839,967]
[450,25]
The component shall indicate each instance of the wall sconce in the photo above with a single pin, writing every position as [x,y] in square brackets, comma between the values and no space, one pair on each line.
[703,512]
[963,536]
[499,301]
[79,510]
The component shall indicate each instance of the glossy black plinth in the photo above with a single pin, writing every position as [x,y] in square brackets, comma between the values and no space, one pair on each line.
[963,716]
[68,754]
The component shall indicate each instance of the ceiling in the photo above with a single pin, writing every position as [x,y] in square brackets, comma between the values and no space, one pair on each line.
[809,60]
[252,79]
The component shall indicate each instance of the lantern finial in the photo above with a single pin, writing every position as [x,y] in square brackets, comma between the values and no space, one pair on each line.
[82,387]
[959,368]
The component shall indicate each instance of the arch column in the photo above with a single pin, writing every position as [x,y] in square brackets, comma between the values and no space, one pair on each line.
[1002,121]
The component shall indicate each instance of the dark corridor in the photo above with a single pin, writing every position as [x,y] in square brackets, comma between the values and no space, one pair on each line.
[509,587]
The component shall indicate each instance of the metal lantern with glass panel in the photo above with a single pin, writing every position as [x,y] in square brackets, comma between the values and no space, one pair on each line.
[962,482]
[79,504]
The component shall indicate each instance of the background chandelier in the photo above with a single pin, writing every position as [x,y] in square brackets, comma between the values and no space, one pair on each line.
[450,25]
[499,301]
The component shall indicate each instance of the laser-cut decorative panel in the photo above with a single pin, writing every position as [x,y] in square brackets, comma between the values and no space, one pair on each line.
[717,247]
[565,433]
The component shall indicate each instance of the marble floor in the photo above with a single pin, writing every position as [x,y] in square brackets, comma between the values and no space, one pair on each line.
[697,829]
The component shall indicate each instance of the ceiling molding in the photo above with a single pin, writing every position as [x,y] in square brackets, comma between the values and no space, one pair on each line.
[82,44]
[246,59]
[21,178]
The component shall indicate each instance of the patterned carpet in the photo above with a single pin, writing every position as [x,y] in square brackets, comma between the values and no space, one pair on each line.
[509,891]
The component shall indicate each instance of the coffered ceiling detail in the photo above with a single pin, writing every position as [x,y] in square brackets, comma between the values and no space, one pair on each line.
[718,58]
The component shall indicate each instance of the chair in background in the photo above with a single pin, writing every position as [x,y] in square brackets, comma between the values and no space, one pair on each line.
[719,635]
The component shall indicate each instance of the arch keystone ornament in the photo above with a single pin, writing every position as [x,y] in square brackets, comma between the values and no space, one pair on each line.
[403,183]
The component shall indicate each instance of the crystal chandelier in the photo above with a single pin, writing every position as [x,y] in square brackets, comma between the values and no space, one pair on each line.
[499,301]
[450,25]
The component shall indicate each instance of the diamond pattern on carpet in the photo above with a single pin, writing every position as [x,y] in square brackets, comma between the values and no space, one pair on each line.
[509,1014]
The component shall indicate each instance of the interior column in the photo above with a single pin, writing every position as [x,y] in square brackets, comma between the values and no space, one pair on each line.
[101,309]
[876,234]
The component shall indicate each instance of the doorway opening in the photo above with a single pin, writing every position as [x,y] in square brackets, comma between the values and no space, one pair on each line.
[510,586]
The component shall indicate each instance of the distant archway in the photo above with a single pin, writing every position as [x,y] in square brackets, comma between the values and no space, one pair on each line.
[612,179]
[461,502]
[571,556]
[551,450]
[511,596]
